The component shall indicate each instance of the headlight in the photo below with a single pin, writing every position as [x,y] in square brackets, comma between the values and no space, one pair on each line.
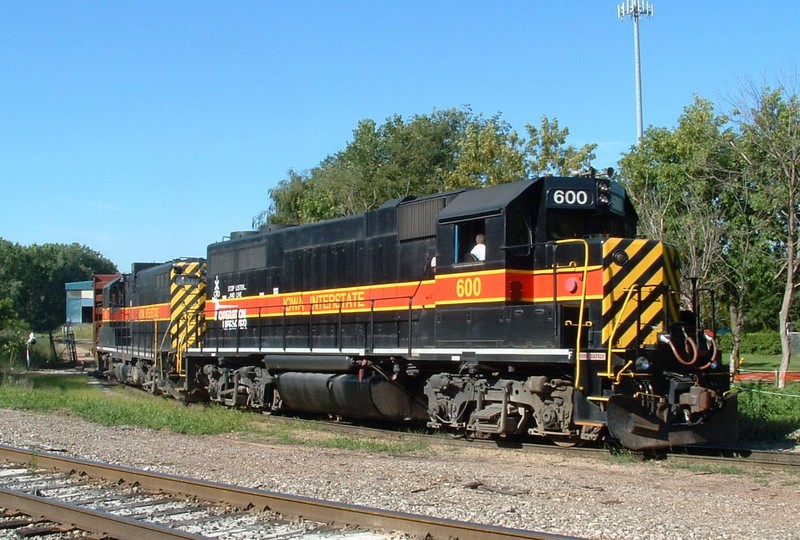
[643,364]
[620,257]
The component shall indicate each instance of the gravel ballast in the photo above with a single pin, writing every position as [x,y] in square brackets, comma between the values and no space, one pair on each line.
[593,498]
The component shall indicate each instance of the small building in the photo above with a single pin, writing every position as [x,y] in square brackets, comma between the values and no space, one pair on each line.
[80,301]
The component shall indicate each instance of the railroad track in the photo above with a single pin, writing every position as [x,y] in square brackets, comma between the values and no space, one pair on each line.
[741,457]
[59,494]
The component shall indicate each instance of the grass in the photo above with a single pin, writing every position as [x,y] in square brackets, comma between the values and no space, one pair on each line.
[706,468]
[72,394]
[41,354]
[296,434]
[120,406]
[83,331]
[765,362]
[623,456]
[767,413]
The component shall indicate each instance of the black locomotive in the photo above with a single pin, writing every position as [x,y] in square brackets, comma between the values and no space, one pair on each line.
[562,323]
[145,321]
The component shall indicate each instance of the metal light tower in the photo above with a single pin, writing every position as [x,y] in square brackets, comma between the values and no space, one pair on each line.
[636,8]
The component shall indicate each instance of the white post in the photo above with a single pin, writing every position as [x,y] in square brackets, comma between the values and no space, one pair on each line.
[635,8]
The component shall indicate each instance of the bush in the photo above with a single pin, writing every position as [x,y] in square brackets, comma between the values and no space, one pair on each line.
[12,336]
[767,343]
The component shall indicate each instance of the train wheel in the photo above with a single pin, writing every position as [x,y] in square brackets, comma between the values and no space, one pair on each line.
[151,381]
[564,441]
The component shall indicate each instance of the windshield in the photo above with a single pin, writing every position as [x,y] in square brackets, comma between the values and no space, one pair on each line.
[561,225]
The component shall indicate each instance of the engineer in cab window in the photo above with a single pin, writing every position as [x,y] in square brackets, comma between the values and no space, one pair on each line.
[479,251]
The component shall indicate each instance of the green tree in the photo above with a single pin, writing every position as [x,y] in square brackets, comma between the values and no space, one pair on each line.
[769,121]
[33,278]
[488,153]
[287,198]
[426,154]
[13,331]
[728,194]
[382,162]
[55,265]
[674,177]
[548,152]
[691,191]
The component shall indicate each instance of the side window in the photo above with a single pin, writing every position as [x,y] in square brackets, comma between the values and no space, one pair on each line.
[519,236]
[470,241]
[162,280]
[117,296]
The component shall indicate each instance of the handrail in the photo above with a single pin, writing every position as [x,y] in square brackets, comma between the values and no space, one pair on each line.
[624,368]
[156,348]
[609,358]
[577,383]
[306,309]
[635,288]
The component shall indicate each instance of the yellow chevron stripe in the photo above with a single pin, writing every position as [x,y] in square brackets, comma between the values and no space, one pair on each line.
[643,278]
[635,276]
[650,334]
[187,304]
[673,279]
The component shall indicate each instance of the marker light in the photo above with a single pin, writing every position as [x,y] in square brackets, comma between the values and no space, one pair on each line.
[603,193]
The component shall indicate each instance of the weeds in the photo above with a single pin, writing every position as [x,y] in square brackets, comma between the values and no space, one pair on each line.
[767,413]
[122,407]
[288,432]
[33,464]
[705,468]
[372,445]
[624,456]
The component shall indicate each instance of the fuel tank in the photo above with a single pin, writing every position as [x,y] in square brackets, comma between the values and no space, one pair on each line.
[372,397]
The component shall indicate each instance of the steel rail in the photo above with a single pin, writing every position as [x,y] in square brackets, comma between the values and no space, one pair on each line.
[741,457]
[290,505]
[89,520]
[744,457]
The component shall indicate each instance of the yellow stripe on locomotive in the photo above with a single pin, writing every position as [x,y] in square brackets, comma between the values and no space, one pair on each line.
[641,283]
[187,305]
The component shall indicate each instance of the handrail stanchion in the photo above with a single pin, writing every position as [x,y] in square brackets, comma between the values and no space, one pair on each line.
[410,321]
[283,327]
[371,338]
[310,326]
[339,331]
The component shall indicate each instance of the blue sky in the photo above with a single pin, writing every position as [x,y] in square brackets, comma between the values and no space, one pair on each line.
[147,130]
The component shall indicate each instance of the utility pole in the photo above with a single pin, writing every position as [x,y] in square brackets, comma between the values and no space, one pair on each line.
[634,9]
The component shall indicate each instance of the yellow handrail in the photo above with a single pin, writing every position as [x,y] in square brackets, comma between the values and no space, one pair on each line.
[624,368]
[637,395]
[609,359]
[582,305]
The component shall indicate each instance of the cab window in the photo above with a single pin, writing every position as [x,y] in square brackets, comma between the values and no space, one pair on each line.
[562,225]
[468,235]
